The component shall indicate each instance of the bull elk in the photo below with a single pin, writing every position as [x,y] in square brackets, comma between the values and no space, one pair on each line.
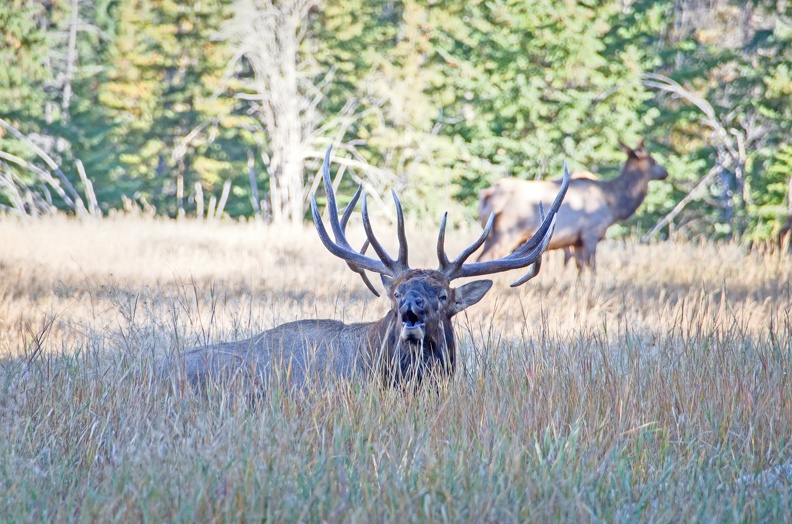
[589,209]
[414,340]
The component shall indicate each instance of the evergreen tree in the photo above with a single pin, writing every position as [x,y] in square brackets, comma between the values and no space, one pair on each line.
[534,85]
[165,95]
[436,98]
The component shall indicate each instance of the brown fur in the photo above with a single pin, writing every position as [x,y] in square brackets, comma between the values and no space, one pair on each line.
[589,209]
[583,174]
[310,352]
[413,341]
[438,354]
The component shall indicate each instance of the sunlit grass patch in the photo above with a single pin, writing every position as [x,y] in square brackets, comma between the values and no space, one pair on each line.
[656,391]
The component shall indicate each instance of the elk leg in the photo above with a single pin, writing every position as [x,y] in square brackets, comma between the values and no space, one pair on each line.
[589,246]
[581,257]
[567,255]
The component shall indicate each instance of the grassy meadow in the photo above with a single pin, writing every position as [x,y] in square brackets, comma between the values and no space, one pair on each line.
[656,391]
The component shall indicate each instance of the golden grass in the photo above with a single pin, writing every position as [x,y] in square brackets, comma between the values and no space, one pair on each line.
[656,391]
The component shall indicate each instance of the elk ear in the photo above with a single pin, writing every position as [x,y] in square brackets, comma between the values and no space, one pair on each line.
[627,150]
[469,294]
[640,149]
[387,282]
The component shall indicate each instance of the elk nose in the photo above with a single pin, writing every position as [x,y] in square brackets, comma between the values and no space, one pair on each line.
[413,304]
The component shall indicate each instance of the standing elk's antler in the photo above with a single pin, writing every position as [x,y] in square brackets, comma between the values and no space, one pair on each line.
[529,254]
[357,261]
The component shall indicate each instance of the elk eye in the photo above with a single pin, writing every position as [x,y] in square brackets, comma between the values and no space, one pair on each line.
[443,298]
[397,296]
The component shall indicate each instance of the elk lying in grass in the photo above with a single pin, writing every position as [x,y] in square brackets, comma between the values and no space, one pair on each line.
[590,207]
[413,340]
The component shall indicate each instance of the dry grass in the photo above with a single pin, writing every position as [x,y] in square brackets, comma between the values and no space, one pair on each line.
[657,391]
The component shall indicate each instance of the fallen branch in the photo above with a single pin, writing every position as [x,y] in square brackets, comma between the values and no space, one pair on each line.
[223,199]
[93,205]
[77,204]
[681,205]
[24,201]
[254,196]
[45,176]
[664,83]
[199,202]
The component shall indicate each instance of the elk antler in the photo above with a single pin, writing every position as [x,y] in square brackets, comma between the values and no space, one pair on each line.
[528,254]
[357,261]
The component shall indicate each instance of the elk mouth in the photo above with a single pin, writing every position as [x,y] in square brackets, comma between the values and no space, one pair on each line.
[413,327]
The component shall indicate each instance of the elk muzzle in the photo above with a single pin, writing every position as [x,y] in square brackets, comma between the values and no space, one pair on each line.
[412,312]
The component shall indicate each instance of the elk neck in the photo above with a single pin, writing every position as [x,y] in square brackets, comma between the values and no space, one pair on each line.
[626,192]
[398,360]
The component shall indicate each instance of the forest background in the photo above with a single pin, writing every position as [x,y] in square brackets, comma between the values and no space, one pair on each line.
[220,107]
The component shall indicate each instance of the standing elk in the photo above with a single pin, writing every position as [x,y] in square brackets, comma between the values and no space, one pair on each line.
[415,339]
[589,209]
[588,175]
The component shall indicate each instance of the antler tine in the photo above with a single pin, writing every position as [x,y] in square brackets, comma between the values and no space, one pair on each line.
[358,262]
[535,268]
[395,266]
[362,273]
[400,231]
[526,255]
[441,254]
[350,207]
[370,235]
[450,267]
[507,263]
[346,254]
[332,209]
[343,222]
[537,237]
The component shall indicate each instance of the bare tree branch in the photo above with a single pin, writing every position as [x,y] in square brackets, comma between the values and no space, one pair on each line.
[681,205]
[668,85]
[730,154]
[93,205]
[71,58]
[45,176]
[223,198]
[75,200]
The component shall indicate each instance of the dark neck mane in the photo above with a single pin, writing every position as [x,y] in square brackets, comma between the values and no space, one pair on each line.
[626,192]
[397,363]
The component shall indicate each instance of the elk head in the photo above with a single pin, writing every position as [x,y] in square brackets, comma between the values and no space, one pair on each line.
[417,334]
[640,160]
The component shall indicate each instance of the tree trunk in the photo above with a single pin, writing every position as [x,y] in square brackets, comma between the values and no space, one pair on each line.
[727,199]
[254,195]
[71,59]
[180,190]
[269,35]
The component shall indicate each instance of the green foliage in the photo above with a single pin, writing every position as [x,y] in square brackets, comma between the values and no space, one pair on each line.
[441,97]
[163,93]
[23,56]
[536,86]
